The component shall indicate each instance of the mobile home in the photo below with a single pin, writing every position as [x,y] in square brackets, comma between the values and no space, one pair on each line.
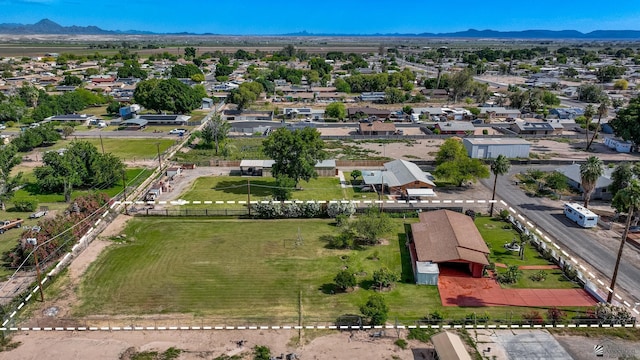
[580,215]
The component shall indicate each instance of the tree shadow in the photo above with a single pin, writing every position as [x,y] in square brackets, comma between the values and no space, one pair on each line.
[538,207]
[367,284]
[406,276]
[330,289]
[261,188]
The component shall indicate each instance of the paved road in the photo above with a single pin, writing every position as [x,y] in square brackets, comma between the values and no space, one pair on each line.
[574,238]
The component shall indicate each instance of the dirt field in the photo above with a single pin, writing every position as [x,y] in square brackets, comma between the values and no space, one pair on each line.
[205,344]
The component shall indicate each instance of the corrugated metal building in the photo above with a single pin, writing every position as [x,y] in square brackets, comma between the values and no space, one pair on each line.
[485,148]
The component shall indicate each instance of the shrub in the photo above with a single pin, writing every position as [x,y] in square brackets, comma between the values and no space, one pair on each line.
[345,279]
[539,276]
[555,315]
[423,335]
[338,208]
[533,318]
[611,314]
[401,343]
[435,317]
[376,309]
[342,220]
[485,132]
[510,276]
[26,204]
[470,213]
[261,353]
[384,277]
[344,240]
[503,215]
[10,124]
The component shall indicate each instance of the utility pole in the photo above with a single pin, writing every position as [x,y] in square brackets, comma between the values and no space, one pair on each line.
[623,241]
[101,144]
[249,196]
[159,157]
[124,191]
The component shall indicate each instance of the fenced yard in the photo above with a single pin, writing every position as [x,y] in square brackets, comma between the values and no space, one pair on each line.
[234,271]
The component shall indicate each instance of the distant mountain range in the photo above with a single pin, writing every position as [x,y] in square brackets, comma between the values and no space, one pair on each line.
[47,26]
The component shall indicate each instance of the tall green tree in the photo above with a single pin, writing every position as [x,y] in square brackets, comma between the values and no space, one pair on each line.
[626,124]
[626,200]
[8,160]
[621,176]
[336,110]
[451,150]
[295,152]
[460,83]
[590,172]
[373,223]
[245,94]
[453,164]
[603,109]
[216,130]
[499,167]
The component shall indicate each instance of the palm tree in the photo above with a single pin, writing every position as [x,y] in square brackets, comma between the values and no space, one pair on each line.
[589,174]
[603,109]
[589,111]
[627,199]
[499,166]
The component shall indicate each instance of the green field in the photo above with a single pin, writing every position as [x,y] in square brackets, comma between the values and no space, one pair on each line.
[248,270]
[226,188]
[125,148]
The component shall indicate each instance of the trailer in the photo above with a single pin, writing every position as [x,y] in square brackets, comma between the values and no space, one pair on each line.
[10,224]
[580,215]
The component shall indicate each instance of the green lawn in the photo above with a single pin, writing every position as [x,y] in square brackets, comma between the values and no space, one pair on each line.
[226,188]
[251,271]
[496,237]
[133,176]
[125,148]
[555,280]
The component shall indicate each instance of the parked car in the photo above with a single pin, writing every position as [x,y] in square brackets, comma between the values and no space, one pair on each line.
[10,224]
[178,131]
[2,126]
[634,229]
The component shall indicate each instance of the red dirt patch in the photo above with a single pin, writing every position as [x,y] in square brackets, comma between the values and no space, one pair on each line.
[460,289]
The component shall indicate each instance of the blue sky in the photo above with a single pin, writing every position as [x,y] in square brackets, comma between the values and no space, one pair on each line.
[328,16]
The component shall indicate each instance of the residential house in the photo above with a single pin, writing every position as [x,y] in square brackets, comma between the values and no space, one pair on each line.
[435,94]
[455,128]
[447,239]
[356,113]
[398,177]
[253,115]
[532,128]
[377,128]
[601,192]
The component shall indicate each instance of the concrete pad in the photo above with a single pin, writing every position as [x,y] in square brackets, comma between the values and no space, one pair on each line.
[528,345]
